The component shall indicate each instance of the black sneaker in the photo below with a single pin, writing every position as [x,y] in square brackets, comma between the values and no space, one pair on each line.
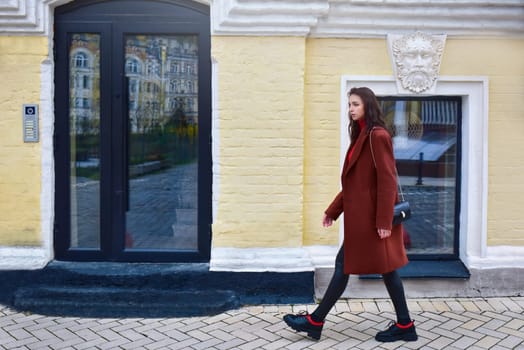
[302,322]
[398,332]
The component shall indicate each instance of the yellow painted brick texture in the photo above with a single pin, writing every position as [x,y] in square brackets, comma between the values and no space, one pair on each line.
[326,61]
[498,59]
[503,62]
[261,111]
[20,163]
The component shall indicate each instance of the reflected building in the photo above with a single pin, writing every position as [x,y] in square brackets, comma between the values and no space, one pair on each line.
[84,83]
[163,80]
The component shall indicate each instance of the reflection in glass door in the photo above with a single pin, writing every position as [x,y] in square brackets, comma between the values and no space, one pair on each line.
[132,131]
[162,142]
[84,133]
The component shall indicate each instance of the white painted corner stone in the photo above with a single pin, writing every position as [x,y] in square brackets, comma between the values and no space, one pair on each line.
[498,257]
[15,258]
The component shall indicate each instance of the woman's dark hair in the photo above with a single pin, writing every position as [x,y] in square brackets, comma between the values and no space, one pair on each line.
[372,112]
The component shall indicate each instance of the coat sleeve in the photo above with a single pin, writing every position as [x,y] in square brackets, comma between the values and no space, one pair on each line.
[336,207]
[386,177]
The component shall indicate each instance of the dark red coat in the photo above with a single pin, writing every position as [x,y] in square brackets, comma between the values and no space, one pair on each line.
[367,199]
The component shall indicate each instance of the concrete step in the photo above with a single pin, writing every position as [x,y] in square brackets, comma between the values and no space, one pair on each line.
[127,289]
[90,301]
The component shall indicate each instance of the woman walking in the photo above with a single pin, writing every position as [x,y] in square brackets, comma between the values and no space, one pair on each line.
[372,245]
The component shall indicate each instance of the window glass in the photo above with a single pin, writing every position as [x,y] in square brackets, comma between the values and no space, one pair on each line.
[426,141]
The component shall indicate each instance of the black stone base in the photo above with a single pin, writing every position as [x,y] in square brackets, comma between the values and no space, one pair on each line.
[119,290]
[430,269]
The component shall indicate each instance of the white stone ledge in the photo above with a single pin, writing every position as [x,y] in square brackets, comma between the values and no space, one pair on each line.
[498,257]
[260,260]
[270,259]
[320,257]
[14,258]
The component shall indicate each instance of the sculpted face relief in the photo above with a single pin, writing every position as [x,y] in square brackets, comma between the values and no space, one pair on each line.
[417,60]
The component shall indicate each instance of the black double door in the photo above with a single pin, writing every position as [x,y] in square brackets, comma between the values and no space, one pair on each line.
[132,131]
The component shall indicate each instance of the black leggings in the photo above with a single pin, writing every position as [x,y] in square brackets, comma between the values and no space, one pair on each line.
[339,282]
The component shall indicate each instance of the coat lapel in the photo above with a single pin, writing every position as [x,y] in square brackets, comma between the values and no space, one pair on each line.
[356,153]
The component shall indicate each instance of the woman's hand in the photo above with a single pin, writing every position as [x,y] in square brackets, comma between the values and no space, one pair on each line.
[327,221]
[383,233]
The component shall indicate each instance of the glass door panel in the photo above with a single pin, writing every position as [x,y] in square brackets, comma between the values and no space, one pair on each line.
[162,142]
[84,134]
[133,177]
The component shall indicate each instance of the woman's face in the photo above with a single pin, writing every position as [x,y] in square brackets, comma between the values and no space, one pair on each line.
[356,107]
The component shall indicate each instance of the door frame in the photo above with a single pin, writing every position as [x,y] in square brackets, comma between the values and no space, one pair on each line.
[82,16]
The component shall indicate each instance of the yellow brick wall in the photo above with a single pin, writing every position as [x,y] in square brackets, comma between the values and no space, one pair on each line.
[500,60]
[262,84]
[279,134]
[503,62]
[326,61]
[261,108]
[20,167]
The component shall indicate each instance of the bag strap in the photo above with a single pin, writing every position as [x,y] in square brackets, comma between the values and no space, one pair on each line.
[374,162]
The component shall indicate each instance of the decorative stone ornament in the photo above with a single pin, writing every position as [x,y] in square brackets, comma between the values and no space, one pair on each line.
[416,60]
[316,18]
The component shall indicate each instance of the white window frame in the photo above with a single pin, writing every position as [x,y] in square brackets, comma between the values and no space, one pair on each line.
[474,166]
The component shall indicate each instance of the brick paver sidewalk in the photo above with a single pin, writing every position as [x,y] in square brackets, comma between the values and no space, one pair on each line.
[472,323]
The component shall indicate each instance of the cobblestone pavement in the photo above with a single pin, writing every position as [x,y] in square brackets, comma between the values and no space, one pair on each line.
[473,323]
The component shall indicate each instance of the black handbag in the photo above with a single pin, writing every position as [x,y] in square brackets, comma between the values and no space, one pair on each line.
[402,209]
[401,212]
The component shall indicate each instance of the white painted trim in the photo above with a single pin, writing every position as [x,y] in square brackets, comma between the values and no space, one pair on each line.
[322,255]
[310,258]
[474,186]
[319,18]
[307,258]
[350,18]
[32,17]
[47,192]
[215,137]
[23,258]
[261,260]
[498,257]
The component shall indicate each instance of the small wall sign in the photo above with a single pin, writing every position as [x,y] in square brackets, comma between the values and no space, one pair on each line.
[30,122]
